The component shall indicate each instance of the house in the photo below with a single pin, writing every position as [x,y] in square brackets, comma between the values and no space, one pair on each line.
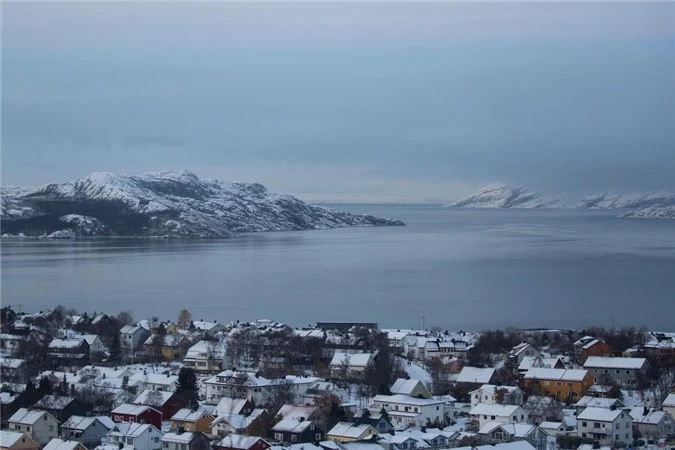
[131,336]
[60,444]
[474,377]
[297,431]
[555,429]
[40,425]
[493,394]
[542,409]
[13,440]
[652,424]
[205,356]
[154,381]
[668,405]
[137,414]
[413,388]
[547,363]
[559,383]
[603,391]
[87,430]
[61,407]
[521,351]
[9,343]
[240,442]
[167,402]
[189,420]
[660,350]
[136,436]
[186,440]
[68,353]
[251,386]
[348,432]
[592,347]
[94,341]
[435,348]
[207,326]
[9,404]
[350,365]
[625,372]
[321,388]
[300,412]
[13,370]
[497,432]
[597,402]
[397,442]
[607,426]
[431,439]
[170,344]
[376,419]
[405,411]
[237,423]
[485,413]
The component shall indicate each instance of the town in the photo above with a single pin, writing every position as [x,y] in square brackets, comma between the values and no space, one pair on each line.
[93,381]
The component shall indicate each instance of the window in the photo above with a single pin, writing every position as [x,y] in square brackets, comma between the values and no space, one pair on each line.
[156,439]
[165,445]
[515,418]
[130,441]
[569,384]
[317,437]
[618,371]
[616,437]
[294,438]
[51,427]
[492,417]
[627,372]
[405,445]
[183,446]
[278,436]
[596,425]
[583,434]
[311,427]
[558,383]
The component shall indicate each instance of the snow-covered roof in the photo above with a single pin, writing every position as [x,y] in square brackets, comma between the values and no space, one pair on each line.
[355,359]
[515,445]
[529,362]
[130,409]
[188,415]
[608,362]
[403,386]
[652,417]
[133,430]
[550,425]
[181,438]
[669,401]
[206,349]
[27,416]
[494,410]
[599,414]
[292,426]
[556,374]
[66,343]
[296,412]
[597,402]
[155,378]
[475,375]
[519,430]
[492,388]
[406,400]
[238,441]
[350,430]
[11,363]
[228,405]
[53,402]
[205,325]
[130,329]
[82,423]
[9,438]
[145,397]
[60,444]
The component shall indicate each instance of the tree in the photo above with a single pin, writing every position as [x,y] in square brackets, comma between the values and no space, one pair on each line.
[187,386]
[154,399]
[116,347]
[329,405]
[440,376]
[45,386]
[124,318]
[125,382]
[184,319]
[280,394]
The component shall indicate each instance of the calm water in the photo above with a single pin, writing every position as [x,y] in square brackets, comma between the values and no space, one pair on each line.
[458,269]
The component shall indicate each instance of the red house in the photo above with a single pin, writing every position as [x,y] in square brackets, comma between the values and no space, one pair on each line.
[137,414]
[167,402]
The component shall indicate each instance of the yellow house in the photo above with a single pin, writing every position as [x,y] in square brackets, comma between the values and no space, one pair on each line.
[189,420]
[13,440]
[347,432]
[562,384]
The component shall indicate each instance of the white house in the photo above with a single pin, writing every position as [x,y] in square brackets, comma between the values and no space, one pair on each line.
[484,413]
[405,411]
[131,337]
[251,386]
[205,356]
[412,388]
[137,436]
[487,393]
[211,327]
[346,365]
[476,375]
[154,381]
[668,405]
[606,425]
[521,351]
[652,424]
[38,424]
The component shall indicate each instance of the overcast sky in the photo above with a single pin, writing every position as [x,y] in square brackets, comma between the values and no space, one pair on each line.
[407,102]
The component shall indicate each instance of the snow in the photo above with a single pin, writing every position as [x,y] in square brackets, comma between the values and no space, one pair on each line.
[416,372]
[178,204]
[26,416]
[608,362]
[600,414]
[503,196]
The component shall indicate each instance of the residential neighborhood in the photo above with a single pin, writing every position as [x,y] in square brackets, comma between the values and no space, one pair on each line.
[71,383]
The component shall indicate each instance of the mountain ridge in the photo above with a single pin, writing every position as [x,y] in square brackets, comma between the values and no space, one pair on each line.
[162,204]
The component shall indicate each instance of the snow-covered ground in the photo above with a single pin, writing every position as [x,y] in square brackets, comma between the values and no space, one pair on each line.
[415,371]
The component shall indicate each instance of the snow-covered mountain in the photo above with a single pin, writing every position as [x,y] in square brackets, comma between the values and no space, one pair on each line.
[504,196]
[652,205]
[171,204]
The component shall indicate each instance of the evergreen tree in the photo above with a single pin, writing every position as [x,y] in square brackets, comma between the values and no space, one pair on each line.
[116,347]
[45,386]
[187,386]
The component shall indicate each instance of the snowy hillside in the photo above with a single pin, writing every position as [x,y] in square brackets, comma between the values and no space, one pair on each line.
[629,201]
[172,204]
[503,196]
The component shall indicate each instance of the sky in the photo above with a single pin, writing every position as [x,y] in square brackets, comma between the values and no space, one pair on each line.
[344,101]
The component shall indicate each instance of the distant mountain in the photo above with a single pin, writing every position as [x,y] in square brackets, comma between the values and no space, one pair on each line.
[503,196]
[628,201]
[164,204]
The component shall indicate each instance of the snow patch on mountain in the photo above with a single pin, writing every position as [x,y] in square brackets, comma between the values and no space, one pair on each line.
[504,196]
[167,204]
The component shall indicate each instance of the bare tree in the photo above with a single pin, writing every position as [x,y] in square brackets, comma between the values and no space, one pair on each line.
[184,319]
[154,399]
[278,395]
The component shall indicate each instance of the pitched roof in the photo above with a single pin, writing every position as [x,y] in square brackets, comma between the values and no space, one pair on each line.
[53,402]
[669,401]
[228,405]
[66,343]
[238,441]
[292,426]
[181,438]
[348,429]
[133,430]
[493,410]
[597,402]
[403,386]
[556,374]
[600,414]
[9,438]
[27,416]
[188,415]
[296,412]
[60,444]
[492,388]
[406,400]
[145,397]
[652,417]
[79,422]
[529,362]
[475,375]
[131,409]
[355,359]
[614,363]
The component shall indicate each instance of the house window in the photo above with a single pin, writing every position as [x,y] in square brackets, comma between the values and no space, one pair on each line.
[156,439]
[317,437]
[618,371]
[558,383]
[596,425]
[569,384]
[583,434]
[183,446]
[584,424]
[492,417]
[616,437]
[165,445]
[294,438]
[278,436]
